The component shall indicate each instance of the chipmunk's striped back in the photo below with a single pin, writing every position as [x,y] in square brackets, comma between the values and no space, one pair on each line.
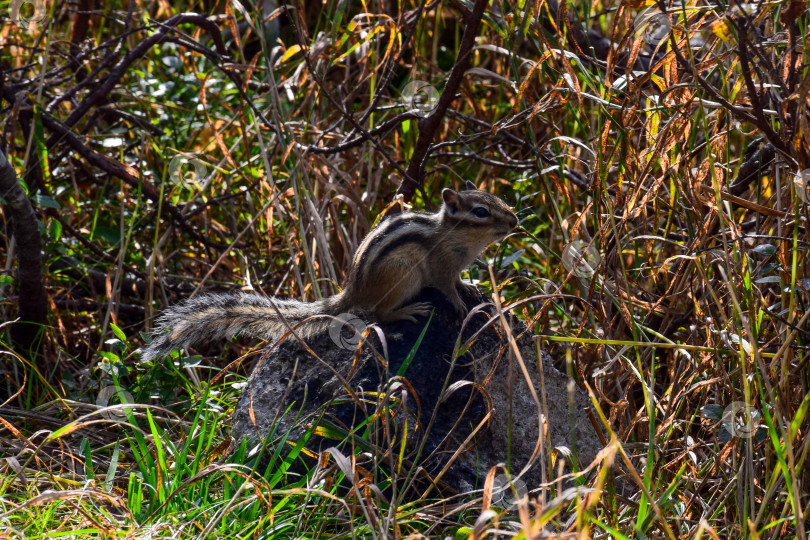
[401,229]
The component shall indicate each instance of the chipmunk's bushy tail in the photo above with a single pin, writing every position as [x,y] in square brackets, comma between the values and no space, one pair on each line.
[217,316]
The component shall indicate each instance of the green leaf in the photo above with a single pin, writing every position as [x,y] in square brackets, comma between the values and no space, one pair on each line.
[712,411]
[118,332]
[113,236]
[84,448]
[765,250]
[108,480]
[45,201]
[41,147]
[116,344]
[55,230]
[412,353]
[507,261]
[112,357]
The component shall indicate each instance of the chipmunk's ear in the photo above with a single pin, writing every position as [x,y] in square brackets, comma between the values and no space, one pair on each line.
[470,186]
[450,199]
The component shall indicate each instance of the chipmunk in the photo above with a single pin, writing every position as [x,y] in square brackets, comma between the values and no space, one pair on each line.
[394,262]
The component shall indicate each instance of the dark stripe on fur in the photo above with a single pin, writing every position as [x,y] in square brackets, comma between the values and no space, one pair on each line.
[386,232]
[409,238]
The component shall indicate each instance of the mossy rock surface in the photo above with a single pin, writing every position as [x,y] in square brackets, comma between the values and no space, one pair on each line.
[480,402]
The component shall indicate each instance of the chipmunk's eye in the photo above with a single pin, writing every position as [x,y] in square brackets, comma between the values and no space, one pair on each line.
[480,211]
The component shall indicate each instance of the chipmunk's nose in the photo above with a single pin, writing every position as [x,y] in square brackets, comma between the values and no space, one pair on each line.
[512,221]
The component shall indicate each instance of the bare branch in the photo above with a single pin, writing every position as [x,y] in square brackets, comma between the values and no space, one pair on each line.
[31,299]
[414,176]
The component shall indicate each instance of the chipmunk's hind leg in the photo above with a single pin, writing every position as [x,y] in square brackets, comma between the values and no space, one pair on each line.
[398,281]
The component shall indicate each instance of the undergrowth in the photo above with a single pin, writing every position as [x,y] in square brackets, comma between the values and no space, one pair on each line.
[658,164]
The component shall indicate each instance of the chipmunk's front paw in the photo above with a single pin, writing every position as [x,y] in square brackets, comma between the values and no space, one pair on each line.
[468,289]
[459,306]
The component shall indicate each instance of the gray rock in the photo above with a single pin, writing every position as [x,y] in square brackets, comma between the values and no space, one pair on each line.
[482,402]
